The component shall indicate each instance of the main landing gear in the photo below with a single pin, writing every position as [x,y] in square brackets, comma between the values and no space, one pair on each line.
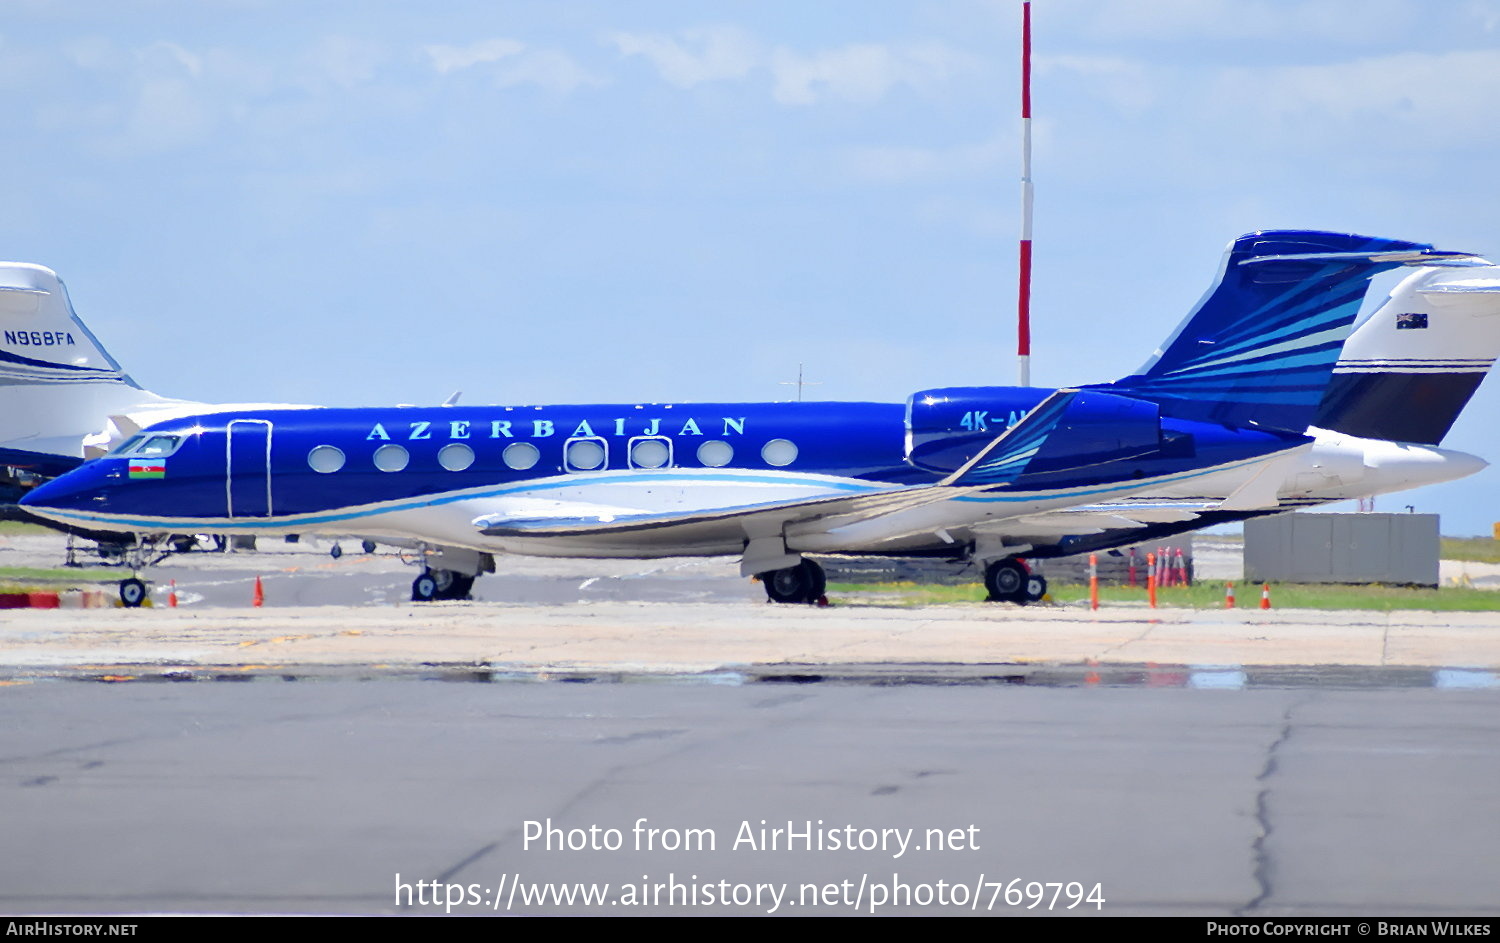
[1011,580]
[803,583]
[440,584]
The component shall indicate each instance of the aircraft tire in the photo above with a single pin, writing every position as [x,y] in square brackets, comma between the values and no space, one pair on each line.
[458,587]
[335,551]
[1006,581]
[132,593]
[424,588]
[817,580]
[794,583]
[1036,587]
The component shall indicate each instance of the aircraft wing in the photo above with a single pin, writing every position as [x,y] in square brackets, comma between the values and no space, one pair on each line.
[606,522]
[996,465]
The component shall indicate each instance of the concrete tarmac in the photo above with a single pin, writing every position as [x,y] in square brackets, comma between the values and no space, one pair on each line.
[663,638]
[355,797]
[719,755]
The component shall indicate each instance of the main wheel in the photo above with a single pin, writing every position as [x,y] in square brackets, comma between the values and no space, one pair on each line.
[804,582]
[451,585]
[817,580]
[459,587]
[1006,580]
[424,588]
[132,593]
[1036,587]
[335,551]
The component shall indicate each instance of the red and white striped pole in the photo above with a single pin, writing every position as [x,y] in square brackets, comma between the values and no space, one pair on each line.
[1023,312]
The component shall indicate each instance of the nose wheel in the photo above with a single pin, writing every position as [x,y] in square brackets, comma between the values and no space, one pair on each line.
[132,593]
[805,583]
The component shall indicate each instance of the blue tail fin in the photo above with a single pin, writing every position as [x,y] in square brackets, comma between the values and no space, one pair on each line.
[1259,349]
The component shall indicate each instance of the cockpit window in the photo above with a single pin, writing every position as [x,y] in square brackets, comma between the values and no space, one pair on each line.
[124,447]
[158,446]
[149,446]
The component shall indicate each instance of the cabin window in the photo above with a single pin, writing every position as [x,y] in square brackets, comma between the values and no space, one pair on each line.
[455,456]
[584,454]
[325,459]
[779,452]
[521,455]
[650,453]
[715,453]
[391,458]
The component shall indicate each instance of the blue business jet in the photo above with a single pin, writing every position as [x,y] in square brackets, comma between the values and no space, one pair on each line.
[1212,425]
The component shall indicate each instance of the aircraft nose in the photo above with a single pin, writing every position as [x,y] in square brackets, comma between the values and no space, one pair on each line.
[65,492]
[42,495]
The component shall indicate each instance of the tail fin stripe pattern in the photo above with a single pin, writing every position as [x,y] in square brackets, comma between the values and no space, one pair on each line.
[1260,348]
[1288,352]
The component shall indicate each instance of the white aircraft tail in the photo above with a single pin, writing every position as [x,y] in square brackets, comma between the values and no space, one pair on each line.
[1410,368]
[63,398]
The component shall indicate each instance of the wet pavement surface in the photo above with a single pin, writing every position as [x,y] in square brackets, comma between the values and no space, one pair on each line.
[341,751]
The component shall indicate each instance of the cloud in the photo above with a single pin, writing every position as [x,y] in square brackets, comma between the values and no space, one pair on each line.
[703,54]
[1361,21]
[897,164]
[346,60]
[549,69]
[1400,102]
[862,73]
[172,54]
[1125,83]
[452,58]
[514,63]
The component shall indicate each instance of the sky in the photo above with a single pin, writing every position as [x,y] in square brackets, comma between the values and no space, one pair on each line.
[367,203]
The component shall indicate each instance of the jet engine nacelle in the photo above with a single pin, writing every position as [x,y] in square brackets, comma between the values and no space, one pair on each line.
[1097,436]
[947,427]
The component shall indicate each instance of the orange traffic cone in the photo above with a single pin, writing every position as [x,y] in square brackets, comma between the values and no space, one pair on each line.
[1228,595]
[259,599]
[1265,595]
[1151,580]
[172,595]
[1093,581]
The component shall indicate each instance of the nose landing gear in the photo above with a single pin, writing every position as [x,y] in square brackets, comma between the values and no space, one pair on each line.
[132,593]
